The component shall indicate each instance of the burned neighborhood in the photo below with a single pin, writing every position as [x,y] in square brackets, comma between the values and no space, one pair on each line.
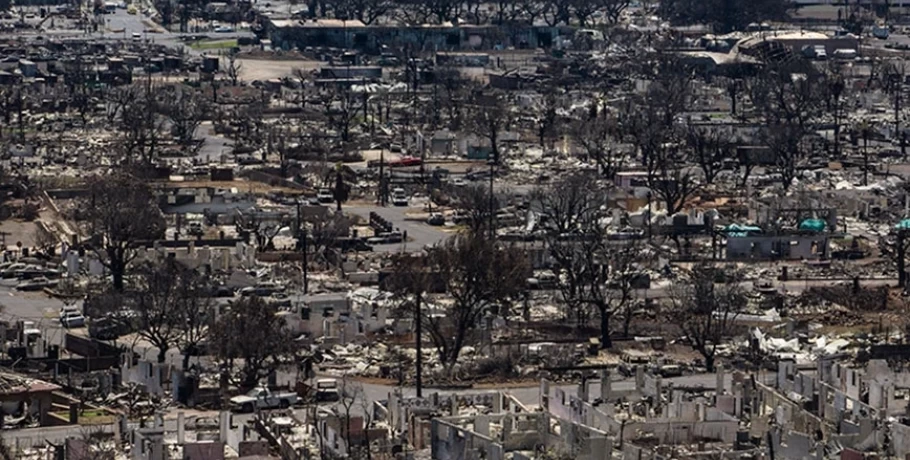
[454,230]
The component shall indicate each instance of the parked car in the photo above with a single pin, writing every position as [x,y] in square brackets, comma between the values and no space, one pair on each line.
[325,196]
[325,390]
[263,398]
[70,317]
[347,244]
[881,32]
[12,270]
[386,238]
[279,299]
[670,370]
[436,219]
[261,290]
[222,291]
[765,286]
[36,284]
[110,326]
[399,197]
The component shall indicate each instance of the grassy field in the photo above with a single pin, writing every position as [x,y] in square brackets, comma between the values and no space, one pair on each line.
[213,44]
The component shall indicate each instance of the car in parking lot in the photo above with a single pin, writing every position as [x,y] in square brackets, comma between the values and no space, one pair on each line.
[436,219]
[386,238]
[399,197]
[70,316]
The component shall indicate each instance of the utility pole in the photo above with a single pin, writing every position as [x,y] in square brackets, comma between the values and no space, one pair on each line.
[302,243]
[865,154]
[898,95]
[418,329]
[901,261]
[381,177]
[492,163]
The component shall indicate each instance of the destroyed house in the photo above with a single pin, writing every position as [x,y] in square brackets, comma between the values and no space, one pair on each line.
[19,393]
[809,241]
[209,200]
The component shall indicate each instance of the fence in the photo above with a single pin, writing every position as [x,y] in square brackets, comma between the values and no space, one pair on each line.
[89,348]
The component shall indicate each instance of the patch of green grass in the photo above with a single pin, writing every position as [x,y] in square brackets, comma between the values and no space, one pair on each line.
[213,45]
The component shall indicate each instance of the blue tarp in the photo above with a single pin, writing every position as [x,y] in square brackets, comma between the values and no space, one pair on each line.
[812,225]
[740,231]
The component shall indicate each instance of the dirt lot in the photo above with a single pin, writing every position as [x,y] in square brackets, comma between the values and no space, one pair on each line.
[18,231]
[264,69]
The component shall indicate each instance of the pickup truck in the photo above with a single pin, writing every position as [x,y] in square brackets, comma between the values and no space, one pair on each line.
[323,390]
[263,398]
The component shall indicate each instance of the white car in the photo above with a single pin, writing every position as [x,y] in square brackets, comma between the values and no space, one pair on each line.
[70,316]
[399,198]
[325,196]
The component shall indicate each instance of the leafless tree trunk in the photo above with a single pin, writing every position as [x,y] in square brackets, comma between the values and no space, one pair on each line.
[592,271]
[488,119]
[705,310]
[119,212]
[233,69]
[266,342]
[480,278]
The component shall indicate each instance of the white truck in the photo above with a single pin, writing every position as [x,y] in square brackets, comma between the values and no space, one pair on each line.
[323,390]
[263,398]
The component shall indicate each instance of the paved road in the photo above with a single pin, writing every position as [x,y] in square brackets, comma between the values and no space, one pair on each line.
[419,233]
[215,145]
[127,24]
[133,23]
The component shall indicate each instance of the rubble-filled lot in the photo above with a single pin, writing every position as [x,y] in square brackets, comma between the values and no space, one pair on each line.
[627,231]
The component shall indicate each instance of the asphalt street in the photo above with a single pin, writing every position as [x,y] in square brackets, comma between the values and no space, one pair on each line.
[419,233]
[121,25]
